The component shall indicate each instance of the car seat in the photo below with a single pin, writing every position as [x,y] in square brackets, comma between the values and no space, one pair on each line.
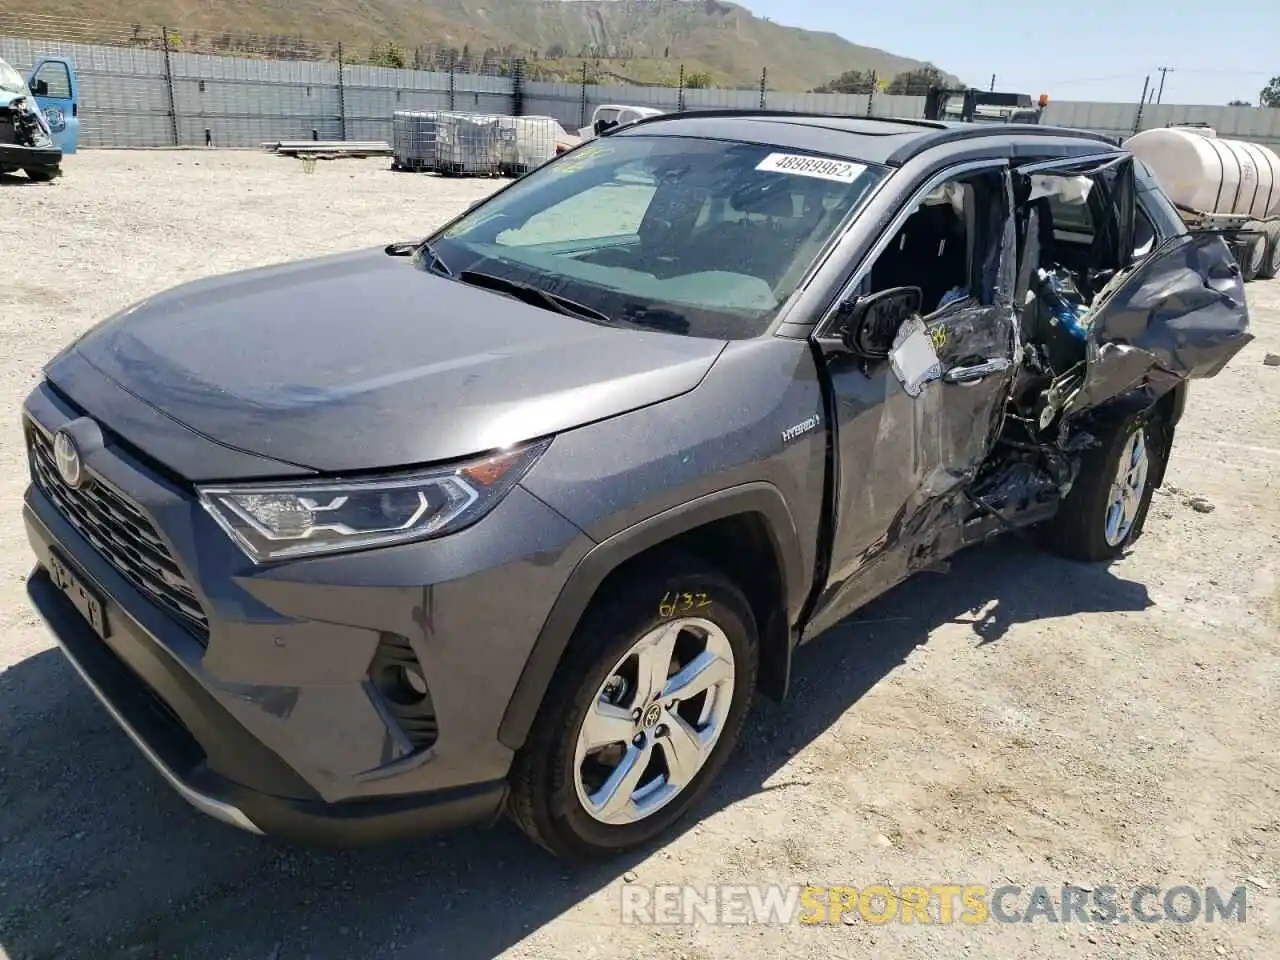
[929,252]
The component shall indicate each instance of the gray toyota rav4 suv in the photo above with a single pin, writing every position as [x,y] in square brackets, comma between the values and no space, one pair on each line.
[519,518]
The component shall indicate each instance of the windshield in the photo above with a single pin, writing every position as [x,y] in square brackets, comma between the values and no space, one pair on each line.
[10,80]
[702,237]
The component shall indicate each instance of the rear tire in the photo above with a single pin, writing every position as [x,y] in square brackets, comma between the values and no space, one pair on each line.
[560,787]
[1105,511]
[43,174]
[1271,262]
[1253,256]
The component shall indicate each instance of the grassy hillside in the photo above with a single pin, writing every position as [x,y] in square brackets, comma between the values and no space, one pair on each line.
[645,40]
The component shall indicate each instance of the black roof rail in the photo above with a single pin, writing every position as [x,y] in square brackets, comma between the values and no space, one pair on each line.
[728,113]
[933,133]
[978,131]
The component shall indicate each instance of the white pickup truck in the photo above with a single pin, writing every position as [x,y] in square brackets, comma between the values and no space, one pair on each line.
[610,115]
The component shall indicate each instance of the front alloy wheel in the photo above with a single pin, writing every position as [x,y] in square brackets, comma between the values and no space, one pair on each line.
[642,713]
[655,721]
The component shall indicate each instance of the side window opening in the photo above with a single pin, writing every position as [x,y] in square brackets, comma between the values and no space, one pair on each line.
[949,246]
[57,79]
[1144,235]
[1072,222]
[1071,243]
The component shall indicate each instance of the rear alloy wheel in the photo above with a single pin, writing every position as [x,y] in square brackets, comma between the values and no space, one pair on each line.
[1124,499]
[1107,505]
[1271,262]
[641,715]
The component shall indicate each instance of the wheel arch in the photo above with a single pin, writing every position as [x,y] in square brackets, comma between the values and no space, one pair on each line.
[747,530]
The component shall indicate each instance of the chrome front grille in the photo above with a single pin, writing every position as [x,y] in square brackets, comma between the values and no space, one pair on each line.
[120,531]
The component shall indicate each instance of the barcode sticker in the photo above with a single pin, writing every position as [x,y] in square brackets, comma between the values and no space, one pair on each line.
[823,168]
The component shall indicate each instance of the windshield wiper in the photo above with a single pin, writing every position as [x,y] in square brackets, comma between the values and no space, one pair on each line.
[409,247]
[534,296]
[656,318]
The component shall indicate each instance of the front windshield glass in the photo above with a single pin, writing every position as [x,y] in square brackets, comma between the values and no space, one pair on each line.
[702,237]
[10,80]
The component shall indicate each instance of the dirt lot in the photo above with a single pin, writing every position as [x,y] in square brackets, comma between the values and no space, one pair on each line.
[1023,720]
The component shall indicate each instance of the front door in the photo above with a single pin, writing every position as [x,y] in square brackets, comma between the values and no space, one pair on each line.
[53,84]
[912,429]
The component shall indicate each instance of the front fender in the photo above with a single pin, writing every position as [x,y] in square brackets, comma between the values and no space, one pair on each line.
[585,580]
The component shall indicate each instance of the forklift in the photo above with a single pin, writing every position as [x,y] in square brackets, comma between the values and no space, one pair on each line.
[982,106]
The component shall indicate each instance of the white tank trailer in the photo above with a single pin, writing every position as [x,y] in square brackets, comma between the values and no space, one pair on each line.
[1220,184]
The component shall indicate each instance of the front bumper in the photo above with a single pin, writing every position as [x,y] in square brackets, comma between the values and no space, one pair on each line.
[15,156]
[271,721]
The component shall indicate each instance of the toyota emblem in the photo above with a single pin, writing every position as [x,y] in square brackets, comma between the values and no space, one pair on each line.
[66,457]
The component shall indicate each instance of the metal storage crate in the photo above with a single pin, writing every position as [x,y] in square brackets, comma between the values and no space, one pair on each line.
[529,142]
[413,140]
[472,144]
[468,144]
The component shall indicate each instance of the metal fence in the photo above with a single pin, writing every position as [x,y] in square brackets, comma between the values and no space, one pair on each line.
[138,97]
[145,93]
[141,96]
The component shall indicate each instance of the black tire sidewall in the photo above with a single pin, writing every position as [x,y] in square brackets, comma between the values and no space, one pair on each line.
[1271,263]
[1079,529]
[1255,258]
[606,634]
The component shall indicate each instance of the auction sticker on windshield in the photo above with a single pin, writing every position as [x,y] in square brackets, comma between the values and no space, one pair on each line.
[841,171]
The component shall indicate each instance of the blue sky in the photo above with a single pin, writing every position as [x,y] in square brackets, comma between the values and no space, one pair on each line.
[1082,51]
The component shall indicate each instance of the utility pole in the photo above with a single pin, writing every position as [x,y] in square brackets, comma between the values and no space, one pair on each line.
[993,83]
[1163,71]
[1142,101]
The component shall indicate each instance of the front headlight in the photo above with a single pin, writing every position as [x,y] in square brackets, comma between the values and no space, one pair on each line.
[283,520]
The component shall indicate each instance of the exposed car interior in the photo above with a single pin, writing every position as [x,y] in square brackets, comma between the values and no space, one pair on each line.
[1074,230]
[932,250]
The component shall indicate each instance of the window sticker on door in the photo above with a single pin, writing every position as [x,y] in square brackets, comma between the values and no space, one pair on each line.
[822,168]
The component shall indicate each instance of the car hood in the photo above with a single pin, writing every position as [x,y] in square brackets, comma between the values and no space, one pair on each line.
[363,361]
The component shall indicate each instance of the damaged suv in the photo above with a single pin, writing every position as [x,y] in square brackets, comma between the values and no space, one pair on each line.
[26,142]
[519,517]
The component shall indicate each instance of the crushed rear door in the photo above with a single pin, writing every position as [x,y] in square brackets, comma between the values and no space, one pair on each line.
[1177,313]
[1180,314]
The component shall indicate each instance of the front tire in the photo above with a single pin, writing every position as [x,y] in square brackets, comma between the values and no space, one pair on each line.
[641,714]
[1107,506]
[43,174]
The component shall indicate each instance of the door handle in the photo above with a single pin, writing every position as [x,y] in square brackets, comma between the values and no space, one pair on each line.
[976,372]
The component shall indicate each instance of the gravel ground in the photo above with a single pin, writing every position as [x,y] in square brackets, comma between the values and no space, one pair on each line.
[1023,720]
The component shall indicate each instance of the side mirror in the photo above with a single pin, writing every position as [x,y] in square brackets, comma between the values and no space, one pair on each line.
[873,321]
[39,88]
